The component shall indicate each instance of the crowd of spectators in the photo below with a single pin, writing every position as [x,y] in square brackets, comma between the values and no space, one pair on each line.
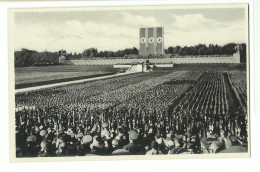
[133,132]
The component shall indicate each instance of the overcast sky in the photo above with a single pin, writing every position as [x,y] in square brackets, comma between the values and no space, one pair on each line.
[114,30]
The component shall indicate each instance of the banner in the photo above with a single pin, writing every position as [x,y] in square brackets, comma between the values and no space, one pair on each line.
[151,41]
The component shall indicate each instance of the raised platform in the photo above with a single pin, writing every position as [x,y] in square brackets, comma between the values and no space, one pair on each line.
[186,60]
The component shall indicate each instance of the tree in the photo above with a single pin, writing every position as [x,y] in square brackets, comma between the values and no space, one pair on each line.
[135,51]
[211,49]
[201,51]
[243,53]
[177,50]
[170,50]
[110,54]
[119,53]
[229,48]
[216,50]
[184,51]
[90,53]
[25,58]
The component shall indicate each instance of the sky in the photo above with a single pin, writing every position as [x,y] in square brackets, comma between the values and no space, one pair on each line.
[114,30]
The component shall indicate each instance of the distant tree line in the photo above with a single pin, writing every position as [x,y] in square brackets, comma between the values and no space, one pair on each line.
[27,57]
[202,49]
[93,52]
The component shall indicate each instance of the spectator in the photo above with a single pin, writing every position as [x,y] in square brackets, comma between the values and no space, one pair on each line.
[154,149]
[133,147]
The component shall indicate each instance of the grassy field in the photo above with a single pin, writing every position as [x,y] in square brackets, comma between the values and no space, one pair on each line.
[35,76]
[32,76]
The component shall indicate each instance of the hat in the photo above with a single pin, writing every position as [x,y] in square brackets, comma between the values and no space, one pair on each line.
[133,135]
[71,134]
[80,135]
[42,133]
[213,147]
[104,133]
[169,143]
[150,131]
[105,125]
[86,139]
[31,138]
[233,138]
[115,142]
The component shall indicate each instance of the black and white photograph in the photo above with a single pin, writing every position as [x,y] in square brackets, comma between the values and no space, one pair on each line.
[129,82]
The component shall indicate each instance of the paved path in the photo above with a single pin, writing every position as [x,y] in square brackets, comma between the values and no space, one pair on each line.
[69,82]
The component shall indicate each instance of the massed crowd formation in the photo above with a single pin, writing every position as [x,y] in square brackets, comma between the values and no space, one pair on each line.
[161,112]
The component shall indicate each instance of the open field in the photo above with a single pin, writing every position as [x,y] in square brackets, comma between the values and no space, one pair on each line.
[34,76]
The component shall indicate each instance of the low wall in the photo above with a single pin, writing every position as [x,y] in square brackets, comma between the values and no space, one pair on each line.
[232,59]
[121,66]
[164,65]
[131,68]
